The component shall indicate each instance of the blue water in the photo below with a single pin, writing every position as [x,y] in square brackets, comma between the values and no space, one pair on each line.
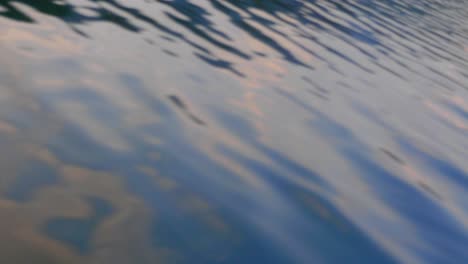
[281,131]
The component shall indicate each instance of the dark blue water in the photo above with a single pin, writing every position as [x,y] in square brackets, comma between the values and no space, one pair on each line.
[216,131]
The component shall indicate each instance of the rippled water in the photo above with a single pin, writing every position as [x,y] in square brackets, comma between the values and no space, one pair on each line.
[242,131]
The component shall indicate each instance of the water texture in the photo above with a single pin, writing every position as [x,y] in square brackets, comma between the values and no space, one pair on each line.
[234,131]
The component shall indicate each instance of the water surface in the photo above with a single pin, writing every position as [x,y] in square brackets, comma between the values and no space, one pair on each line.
[281,131]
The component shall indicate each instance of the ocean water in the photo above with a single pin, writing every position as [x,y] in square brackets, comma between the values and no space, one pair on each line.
[234,131]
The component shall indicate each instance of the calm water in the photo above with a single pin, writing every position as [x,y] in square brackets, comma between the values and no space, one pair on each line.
[215,131]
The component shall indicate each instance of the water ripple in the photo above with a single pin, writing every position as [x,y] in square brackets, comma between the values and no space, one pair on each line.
[281,131]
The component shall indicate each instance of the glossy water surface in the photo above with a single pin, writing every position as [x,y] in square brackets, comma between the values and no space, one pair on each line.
[234,131]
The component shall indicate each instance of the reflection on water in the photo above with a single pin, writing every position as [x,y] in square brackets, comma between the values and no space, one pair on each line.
[234,131]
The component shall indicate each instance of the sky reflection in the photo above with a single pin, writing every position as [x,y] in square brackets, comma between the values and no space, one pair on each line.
[233,131]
